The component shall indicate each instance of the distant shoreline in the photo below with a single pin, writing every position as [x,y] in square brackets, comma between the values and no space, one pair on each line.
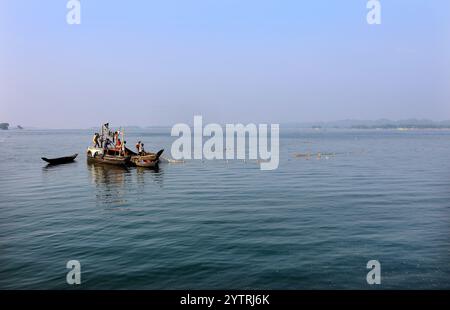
[382,124]
[282,127]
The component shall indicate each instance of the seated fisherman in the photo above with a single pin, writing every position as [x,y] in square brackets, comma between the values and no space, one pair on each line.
[118,145]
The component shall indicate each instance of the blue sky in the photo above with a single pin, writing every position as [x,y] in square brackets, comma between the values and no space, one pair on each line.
[161,62]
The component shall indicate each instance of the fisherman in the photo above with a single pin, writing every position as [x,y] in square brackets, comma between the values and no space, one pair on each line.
[105,129]
[124,149]
[95,140]
[118,145]
[105,147]
[138,147]
[107,143]
[142,149]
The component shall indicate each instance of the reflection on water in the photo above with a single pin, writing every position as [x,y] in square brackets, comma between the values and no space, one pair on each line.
[55,166]
[156,174]
[110,182]
[115,183]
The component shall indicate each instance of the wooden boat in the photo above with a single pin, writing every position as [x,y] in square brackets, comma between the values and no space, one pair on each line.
[147,160]
[60,160]
[144,161]
[112,157]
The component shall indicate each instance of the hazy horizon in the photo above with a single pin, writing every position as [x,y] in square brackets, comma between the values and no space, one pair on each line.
[148,63]
[341,122]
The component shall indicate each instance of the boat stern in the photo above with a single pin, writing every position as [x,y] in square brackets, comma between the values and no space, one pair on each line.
[94,151]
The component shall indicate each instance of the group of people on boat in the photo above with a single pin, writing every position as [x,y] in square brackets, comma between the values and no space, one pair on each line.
[101,142]
[140,148]
[109,147]
[108,140]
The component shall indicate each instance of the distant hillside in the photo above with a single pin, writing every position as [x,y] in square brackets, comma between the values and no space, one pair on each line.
[377,124]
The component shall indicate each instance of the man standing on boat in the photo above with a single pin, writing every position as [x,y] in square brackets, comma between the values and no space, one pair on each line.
[105,132]
[95,140]
[116,136]
[105,147]
[138,147]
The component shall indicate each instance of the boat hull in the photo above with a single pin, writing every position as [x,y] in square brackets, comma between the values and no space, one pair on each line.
[60,160]
[149,160]
[95,155]
[144,163]
[109,160]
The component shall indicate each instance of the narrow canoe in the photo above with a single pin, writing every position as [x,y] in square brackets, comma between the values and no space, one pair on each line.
[60,160]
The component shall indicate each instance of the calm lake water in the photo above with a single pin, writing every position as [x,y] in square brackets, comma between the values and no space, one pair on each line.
[312,224]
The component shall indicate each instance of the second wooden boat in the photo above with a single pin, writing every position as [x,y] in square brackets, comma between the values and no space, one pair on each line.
[147,160]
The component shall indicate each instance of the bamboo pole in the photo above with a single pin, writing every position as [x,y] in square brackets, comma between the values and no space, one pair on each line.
[123,139]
